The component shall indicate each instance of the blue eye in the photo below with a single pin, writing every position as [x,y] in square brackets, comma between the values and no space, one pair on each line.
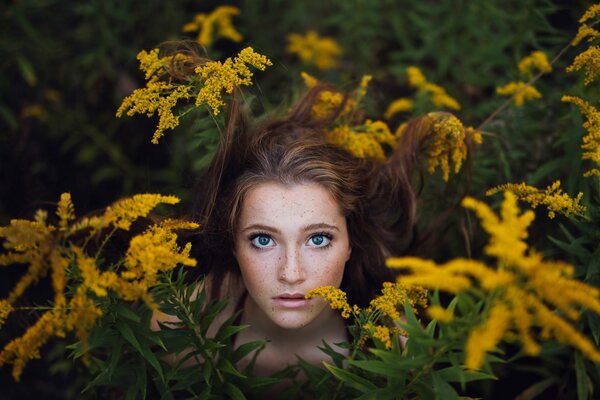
[262,241]
[319,240]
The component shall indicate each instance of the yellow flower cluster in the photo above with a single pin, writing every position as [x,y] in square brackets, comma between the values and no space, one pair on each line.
[440,314]
[363,141]
[162,93]
[221,19]
[158,96]
[386,305]
[329,101]
[402,104]
[336,297]
[226,76]
[49,249]
[322,52]
[589,60]
[525,288]
[379,332]
[416,79]
[591,141]
[393,296]
[448,142]
[552,197]
[536,62]
[521,91]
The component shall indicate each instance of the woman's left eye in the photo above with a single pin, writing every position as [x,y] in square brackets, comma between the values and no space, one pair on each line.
[319,240]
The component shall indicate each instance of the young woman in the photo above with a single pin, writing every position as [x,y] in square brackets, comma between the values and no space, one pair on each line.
[283,211]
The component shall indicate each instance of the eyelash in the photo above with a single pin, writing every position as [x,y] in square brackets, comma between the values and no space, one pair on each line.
[326,235]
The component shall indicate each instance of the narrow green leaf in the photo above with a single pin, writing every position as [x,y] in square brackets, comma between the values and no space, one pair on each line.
[582,378]
[351,379]
[443,390]
[125,312]
[226,366]
[233,392]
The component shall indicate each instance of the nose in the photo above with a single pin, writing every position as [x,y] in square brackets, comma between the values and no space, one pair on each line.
[291,270]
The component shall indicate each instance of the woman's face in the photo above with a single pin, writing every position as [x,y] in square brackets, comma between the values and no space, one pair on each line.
[290,239]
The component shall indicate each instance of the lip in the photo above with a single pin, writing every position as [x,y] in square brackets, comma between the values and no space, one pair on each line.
[291,300]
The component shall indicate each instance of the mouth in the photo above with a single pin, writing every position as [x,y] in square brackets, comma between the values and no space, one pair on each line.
[291,300]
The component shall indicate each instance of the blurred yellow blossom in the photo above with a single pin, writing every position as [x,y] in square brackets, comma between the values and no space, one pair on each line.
[437,94]
[440,314]
[591,141]
[225,76]
[537,61]
[322,52]
[524,286]
[552,197]
[383,334]
[402,104]
[521,91]
[485,337]
[221,19]
[49,250]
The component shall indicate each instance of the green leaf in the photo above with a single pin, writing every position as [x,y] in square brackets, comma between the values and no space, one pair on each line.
[379,367]
[226,366]
[459,374]
[125,312]
[582,378]
[536,389]
[234,392]
[143,350]
[443,390]
[246,349]
[351,379]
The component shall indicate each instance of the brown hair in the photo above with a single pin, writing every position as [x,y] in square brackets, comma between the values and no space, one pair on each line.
[377,198]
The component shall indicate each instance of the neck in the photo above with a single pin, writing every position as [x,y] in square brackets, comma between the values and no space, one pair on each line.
[328,326]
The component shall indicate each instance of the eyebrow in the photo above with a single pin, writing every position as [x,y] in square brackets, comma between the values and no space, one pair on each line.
[310,227]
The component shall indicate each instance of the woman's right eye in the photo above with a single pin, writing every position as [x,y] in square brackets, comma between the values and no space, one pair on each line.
[262,241]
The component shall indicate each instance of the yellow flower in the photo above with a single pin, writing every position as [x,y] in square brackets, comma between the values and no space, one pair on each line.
[585,31]
[41,247]
[123,213]
[589,61]
[537,61]
[382,333]
[65,211]
[590,13]
[485,338]
[440,314]
[591,141]
[402,104]
[5,309]
[221,18]
[438,95]
[416,78]
[521,91]
[522,286]
[448,142]
[507,235]
[27,347]
[552,197]
[323,52]
[336,297]
[158,96]
[393,296]
[226,76]
[363,141]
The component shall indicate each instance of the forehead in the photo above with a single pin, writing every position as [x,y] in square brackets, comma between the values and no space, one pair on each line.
[275,202]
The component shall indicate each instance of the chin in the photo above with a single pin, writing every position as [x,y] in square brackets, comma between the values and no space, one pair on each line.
[292,323]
